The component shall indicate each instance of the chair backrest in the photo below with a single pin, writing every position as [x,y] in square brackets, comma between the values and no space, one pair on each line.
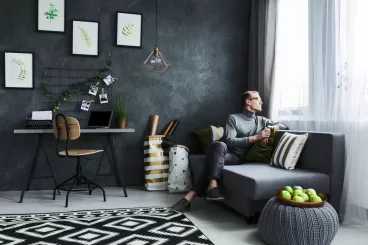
[68,127]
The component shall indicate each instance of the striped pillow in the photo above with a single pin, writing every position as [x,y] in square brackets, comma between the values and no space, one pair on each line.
[288,150]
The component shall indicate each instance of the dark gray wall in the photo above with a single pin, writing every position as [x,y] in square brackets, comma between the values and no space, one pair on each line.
[205,40]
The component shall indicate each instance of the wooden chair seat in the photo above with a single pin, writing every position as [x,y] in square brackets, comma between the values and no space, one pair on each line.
[79,152]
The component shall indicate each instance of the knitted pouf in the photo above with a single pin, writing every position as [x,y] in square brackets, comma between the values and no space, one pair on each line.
[280,224]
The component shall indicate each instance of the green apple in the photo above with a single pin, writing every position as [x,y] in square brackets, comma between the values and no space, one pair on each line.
[297,188]
[322,195]
[286,195]
[305,197]
[298,199]
[310,192]
[297,193]
[310,197]
[315,199]
[288,188]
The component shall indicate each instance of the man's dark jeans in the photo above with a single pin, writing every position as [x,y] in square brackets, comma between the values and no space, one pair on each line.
[217,157]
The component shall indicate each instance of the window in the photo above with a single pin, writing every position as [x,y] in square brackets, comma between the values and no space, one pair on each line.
[291,88]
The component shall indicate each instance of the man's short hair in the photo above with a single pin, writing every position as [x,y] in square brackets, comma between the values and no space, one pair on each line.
[247,94]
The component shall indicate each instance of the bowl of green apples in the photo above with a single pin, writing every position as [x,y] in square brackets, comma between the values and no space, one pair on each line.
[298,196]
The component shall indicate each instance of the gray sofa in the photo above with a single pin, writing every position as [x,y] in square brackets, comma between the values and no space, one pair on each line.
[247,187]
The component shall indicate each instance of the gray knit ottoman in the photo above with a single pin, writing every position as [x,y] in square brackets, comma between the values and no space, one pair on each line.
[280,224]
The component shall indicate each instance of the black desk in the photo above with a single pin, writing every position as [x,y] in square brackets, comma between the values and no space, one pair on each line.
[110,142]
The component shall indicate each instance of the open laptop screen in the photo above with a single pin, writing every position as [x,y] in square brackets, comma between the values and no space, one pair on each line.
[100,119]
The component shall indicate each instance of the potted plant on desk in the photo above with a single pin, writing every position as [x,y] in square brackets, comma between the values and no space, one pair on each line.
[120,110]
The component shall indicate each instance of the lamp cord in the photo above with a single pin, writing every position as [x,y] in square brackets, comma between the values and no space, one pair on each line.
[156,23]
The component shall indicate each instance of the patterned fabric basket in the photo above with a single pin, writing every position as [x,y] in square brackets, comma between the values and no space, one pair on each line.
[179,173]
[156,164]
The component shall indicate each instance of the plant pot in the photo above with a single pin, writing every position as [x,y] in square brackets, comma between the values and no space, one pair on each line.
[122,122]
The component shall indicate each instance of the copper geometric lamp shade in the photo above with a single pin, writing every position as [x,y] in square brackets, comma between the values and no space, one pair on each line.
[156,61]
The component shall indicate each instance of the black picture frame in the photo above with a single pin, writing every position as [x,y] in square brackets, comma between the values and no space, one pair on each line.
[50,31]
[5,70]
[98,36]
[117,29]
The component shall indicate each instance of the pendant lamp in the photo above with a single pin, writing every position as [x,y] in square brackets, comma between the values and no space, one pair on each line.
[156,61]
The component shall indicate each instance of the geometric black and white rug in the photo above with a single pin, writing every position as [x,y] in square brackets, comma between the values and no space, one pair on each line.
[130,226]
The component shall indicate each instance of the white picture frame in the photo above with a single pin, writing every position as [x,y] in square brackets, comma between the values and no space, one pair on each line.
[51,16]
[108,80]
[19,70]
[129,29]
[103,99]
[85,105]
[86,38]
[93,89]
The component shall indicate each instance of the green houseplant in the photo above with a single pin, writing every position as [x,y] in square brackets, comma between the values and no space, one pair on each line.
[120,110]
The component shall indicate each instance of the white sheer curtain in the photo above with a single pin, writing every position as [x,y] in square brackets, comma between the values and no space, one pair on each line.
[353,87]
[321,83]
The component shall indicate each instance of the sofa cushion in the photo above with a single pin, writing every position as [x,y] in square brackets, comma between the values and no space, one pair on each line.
[288,150]
[203,137]
[217,132]
[258,153]
[260,182]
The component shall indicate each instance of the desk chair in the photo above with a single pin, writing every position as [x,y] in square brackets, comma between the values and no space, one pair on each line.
[66,129]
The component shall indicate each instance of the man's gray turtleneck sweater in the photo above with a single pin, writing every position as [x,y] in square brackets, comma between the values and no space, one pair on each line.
[241,126]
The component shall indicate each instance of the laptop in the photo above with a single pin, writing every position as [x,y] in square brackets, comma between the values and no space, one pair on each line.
[99,119]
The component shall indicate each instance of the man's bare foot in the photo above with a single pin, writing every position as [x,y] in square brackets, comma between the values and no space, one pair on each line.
[190,196]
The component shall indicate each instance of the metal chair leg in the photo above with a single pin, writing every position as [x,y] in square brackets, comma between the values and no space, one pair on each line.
[61,184]
[67,195]
[98,186]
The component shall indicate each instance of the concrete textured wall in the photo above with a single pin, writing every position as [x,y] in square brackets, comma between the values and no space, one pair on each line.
[205,40]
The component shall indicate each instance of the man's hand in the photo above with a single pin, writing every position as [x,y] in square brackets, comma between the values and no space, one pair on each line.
[265,133]
[264,142]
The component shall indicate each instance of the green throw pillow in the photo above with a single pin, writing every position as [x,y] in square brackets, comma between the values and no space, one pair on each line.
[203,137]
[258,153]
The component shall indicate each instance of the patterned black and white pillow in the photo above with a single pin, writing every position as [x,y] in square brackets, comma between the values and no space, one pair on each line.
[288,150]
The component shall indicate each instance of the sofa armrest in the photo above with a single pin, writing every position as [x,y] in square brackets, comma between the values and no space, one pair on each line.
[337,171]
[324,153]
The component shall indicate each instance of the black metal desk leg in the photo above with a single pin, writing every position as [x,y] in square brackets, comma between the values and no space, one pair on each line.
[49,164]
[33,166]
[99,165]
[114,166]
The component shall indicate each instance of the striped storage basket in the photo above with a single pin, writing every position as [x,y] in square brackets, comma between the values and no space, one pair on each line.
[156,164]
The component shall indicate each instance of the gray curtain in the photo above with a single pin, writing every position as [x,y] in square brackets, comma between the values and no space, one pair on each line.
[262,39]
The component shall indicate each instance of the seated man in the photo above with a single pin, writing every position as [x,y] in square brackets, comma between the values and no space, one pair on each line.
[241,131]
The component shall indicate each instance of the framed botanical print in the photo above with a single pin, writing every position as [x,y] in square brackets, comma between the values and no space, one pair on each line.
[19,70]
[51,16]
[86,37]
[129,29]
